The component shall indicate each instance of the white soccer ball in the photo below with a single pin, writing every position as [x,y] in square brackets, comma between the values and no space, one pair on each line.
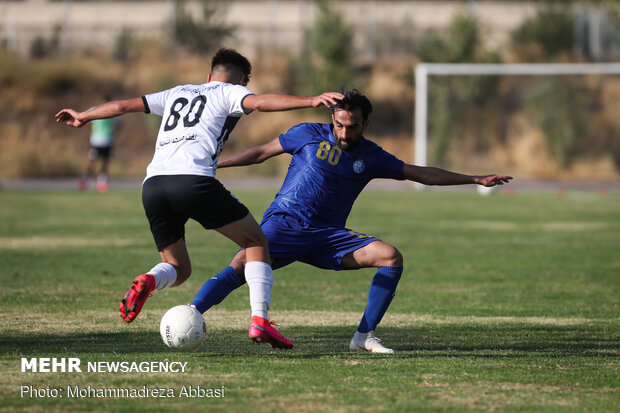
[485,190]
[183,328]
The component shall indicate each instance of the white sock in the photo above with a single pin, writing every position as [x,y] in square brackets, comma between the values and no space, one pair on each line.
[363,336]
[259,277]
[165,275]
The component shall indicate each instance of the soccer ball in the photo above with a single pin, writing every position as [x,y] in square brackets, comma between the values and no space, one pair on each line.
[183,328]
[485,190]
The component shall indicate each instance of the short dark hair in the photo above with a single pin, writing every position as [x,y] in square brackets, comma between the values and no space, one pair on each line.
[230,59]
[352,100]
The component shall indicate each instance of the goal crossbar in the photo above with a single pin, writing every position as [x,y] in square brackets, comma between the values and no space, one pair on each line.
[424,70]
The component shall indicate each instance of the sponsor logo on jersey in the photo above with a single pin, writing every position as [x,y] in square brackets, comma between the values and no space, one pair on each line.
[359,166]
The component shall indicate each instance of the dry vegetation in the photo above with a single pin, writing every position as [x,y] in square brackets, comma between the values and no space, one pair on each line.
[33,145]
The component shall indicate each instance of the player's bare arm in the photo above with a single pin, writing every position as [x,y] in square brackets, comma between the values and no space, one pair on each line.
[253,155]
[429,175]
[108,110]
[271,102]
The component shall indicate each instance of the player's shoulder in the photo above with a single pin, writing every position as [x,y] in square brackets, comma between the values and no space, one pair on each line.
[368,145]
[372,150]
[310,127]
[303,135]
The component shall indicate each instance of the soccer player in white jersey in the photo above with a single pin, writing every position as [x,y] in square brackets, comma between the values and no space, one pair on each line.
[180,180]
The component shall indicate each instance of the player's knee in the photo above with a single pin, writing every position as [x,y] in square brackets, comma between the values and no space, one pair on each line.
[257,240]
[392,257]
[238,263]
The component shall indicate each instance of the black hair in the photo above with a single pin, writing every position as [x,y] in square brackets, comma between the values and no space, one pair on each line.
[352,100]
[230,59]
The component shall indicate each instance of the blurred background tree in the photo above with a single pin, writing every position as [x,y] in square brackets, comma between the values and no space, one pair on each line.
[450,96]
[561,111]
[327,63]
[472,119]
[544,37]
[204,34]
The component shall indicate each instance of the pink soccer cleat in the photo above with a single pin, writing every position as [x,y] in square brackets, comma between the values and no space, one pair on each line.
[140,290]
[261,331]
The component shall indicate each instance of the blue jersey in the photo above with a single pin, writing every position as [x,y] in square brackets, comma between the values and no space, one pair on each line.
[323,181]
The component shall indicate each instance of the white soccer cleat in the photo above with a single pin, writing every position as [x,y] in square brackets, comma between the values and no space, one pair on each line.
[368,342]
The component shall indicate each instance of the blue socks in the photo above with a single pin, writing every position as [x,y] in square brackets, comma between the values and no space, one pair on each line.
[380,294]
[217,288]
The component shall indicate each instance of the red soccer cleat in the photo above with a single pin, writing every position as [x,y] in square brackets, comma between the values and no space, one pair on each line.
[261,332]
[102,187]
[135,298]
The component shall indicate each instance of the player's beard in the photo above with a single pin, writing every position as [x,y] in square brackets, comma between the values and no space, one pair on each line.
[348,144]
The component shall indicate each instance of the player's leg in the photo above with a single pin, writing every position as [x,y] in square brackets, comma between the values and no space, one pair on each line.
[282,239]
[247,234]
[259,276]
[389,263]
[343,249]
[376,254]
[218,287]
[102,177]
[168,229]
[89,169]
[176,256]
[172,271]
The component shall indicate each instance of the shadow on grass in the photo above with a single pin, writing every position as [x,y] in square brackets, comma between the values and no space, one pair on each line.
[446,340]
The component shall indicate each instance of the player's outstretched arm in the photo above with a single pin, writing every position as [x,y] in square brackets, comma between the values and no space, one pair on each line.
[253,155]
[271,102]
[108,110]
[429,175]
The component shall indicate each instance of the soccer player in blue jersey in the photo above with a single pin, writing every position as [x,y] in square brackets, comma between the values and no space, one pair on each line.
[331,165]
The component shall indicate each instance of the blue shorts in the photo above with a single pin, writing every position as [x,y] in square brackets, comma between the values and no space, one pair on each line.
[292,240]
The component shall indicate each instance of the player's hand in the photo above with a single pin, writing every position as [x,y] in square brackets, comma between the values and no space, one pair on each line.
[328,99]
[70,117]
[492,180]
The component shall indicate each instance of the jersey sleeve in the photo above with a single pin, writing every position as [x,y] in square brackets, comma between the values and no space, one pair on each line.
[236,94]
[388,166]
[295,138]
[155,103]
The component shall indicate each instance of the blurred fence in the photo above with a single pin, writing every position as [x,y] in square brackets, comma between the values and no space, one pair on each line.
[379,26]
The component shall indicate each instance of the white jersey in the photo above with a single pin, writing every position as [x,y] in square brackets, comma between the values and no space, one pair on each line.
[196,122]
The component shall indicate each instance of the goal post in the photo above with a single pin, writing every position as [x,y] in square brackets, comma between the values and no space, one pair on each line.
[424,70]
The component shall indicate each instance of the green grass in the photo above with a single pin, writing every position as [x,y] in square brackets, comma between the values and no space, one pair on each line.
[506,304]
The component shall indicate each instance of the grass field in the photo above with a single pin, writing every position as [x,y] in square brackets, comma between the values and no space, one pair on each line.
[506,304]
